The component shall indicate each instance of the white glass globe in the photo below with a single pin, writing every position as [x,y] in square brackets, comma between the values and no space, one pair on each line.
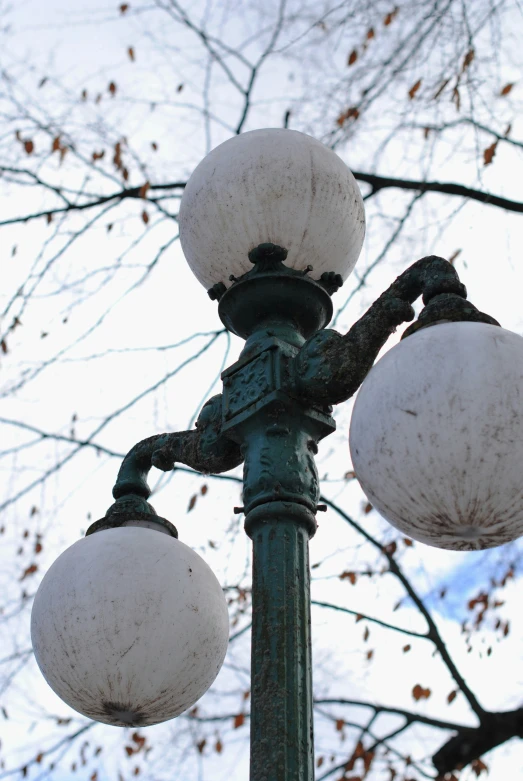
[276,186]
[436,436]
[130,627]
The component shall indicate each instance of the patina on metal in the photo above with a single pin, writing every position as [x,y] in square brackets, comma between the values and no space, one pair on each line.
[275,408]
[131,492]
[278,434]
[282,744]
[271,291]
[448,308]
[330,367]
[203,449]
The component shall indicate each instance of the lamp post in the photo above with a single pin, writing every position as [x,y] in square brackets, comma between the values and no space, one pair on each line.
[129,625]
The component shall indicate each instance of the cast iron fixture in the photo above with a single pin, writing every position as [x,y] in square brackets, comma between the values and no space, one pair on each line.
[272,223]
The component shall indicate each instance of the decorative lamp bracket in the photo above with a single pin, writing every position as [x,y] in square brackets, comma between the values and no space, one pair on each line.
[330,367]
[272,292]
[448,308]
[203,449]
[278,432]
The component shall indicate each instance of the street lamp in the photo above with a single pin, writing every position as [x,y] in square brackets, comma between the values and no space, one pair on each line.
[129,625]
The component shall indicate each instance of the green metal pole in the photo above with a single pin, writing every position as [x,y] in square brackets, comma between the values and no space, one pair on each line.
[281,663]
[276,309]
[280,494]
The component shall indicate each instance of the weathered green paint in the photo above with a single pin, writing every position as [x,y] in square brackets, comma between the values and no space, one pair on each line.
[278,435]
[282,747]
[272,293]
[274,409]
[204,449]
[330,367]
[448,308]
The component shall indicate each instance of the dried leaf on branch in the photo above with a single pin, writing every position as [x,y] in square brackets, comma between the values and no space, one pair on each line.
[489,152]
[420,693]
[414,89]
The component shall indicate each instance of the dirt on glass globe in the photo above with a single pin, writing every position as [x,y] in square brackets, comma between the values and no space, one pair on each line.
[130,626]
[436,436]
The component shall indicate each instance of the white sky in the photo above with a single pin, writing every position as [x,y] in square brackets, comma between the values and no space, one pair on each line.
[168,307]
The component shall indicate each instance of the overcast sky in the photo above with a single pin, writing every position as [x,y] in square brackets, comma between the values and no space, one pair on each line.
[87,46]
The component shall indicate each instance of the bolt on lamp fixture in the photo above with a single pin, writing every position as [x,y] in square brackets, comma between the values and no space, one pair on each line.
[129,625]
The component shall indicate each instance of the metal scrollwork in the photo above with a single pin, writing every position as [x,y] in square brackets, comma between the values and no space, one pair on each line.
[277,397]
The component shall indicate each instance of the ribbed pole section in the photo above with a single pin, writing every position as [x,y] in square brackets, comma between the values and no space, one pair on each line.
[281,696]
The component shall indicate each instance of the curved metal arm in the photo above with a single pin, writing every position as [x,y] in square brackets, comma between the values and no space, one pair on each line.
[331,367]
[203,449]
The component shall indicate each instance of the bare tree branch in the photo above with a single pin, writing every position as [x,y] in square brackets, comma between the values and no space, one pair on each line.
[378,183]
[433,632]
[410,716]
[363,616]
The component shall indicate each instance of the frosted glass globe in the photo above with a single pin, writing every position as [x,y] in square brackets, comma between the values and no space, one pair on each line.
[129,627]
[436,436]
[276,186]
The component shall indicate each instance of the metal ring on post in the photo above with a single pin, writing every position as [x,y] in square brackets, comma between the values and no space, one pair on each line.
[272,511]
